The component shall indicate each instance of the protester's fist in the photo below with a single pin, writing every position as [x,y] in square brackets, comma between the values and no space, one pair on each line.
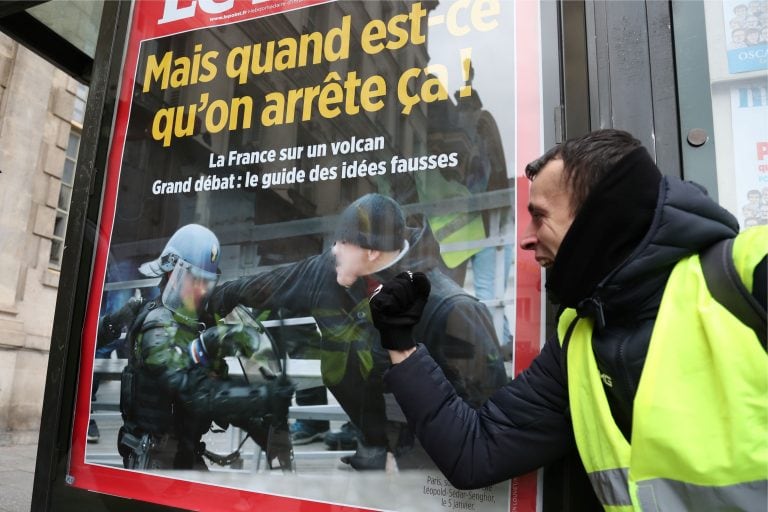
[396,306]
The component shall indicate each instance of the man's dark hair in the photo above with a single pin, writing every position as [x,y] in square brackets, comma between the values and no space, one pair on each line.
[586,160]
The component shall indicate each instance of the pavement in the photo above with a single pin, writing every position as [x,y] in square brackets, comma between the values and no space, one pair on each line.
[17,472]
[17,461]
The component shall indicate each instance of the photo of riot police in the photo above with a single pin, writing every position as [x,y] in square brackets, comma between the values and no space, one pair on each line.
[175,385]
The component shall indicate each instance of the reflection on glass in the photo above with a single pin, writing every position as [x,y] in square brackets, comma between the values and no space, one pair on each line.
[76,21]
[73,144]
[65,196]
[57,247]
[68,174]
[60,225]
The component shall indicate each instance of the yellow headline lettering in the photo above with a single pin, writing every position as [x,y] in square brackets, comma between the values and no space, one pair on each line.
[183,121]
[289,53]
[337,95]
[401,29]
[181,71]
[329,100]
[428,91]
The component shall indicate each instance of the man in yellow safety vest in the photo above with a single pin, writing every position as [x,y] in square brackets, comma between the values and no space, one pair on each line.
[660,386]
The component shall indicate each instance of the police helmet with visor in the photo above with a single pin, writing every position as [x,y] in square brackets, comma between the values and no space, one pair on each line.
[190,260]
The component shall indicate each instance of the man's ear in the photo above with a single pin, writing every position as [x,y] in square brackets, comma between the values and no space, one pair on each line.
[373,255]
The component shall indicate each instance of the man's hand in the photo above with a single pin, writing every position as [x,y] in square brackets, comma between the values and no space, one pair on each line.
[396,306]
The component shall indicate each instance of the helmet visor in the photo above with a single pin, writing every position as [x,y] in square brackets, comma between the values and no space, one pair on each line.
[187,288]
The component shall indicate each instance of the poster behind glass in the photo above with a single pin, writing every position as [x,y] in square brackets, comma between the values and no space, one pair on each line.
[746,30]
[749,114]
[272,163]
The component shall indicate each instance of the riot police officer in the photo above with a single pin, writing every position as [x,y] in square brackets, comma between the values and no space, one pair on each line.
[176,382]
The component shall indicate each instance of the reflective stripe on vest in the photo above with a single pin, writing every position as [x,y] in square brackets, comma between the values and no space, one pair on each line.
[611,486]
[700,416]
[664,494]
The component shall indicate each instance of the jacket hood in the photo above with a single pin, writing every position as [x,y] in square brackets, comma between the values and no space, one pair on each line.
[632,229]
[610,223]
[685,222]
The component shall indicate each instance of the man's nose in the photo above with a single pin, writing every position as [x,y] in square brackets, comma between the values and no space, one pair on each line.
[333,248]
[529,240]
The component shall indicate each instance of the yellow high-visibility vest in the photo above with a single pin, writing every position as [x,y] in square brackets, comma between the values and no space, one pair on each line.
[450,227]
[700,415]
[345,335]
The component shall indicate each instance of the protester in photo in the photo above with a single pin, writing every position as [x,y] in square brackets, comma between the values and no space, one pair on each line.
[660,388]
[372,244]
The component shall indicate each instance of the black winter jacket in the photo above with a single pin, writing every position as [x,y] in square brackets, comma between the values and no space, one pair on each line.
[527,424]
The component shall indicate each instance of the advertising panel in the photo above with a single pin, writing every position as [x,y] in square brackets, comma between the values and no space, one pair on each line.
[749,111]
[272,162]
[746,29]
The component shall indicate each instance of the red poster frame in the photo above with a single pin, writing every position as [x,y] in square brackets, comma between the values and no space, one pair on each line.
[525,492]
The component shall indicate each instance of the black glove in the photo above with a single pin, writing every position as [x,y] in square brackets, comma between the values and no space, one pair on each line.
[397,306]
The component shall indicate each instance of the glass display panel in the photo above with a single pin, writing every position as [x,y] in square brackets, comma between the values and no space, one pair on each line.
[737,52]
[272,163]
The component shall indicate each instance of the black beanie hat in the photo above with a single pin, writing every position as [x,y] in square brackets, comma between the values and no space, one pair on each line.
[373,222]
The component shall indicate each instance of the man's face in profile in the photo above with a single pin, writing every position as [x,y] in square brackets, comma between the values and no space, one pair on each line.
[551,216]
[352,262]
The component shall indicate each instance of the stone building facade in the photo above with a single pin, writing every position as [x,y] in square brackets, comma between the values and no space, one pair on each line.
[38,148]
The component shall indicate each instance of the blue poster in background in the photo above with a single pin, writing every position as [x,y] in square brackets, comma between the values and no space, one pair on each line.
[748,59]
